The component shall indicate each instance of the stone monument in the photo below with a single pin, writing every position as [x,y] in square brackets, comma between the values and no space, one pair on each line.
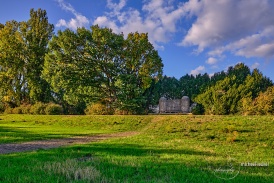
[174,106]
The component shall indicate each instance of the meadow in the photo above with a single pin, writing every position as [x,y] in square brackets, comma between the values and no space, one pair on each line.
[167,148]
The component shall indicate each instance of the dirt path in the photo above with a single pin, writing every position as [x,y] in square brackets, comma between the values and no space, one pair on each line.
[54,143]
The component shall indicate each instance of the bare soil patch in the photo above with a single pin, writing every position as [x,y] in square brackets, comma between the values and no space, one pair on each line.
[55,143]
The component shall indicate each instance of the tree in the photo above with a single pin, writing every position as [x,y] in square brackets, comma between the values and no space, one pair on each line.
[12,64]
[264,103]
[36,32]
[23,46]
[141,65]
[235,92]
[240,70]
[68,69]
[98,65]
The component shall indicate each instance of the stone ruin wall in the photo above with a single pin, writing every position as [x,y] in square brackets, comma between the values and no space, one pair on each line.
[174,106]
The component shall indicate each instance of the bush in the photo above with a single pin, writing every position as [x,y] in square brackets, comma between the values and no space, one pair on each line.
[98,109]
[38,108]
[17,110]
[198,109]
[122,112]
[8,110]
[2,107]
[25,108]
[53,109]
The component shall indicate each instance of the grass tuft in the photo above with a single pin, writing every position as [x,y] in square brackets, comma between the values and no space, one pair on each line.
[73,169]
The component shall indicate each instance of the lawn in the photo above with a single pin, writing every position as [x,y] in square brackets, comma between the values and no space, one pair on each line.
[168,148]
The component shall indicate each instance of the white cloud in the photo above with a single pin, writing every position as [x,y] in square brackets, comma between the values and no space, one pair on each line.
[244,28]
[255,65]
[116,6]
[197,71]
[158,18]
[73,23]
[211,61]
[104,21]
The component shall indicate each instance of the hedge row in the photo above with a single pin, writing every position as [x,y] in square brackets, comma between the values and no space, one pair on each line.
[38,109]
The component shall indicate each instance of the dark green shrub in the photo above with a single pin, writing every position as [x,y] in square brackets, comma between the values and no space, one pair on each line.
[38,108]
[198,110]
[53,109]
[2,107]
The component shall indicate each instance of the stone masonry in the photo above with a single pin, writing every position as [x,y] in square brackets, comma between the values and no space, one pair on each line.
[174,106]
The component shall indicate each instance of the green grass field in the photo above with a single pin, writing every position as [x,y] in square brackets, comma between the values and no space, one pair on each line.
[168,148]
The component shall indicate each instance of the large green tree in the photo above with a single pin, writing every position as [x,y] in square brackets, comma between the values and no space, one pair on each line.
[141,65]
[23,46]
[98,65]
[36,32]
[12,64]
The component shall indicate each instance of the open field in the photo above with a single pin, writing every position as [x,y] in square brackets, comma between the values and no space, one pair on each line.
[166,149]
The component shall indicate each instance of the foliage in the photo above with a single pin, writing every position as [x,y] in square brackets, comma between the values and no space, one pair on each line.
[123,72]
[12,62]
[261,105]
[102,66]
[37,32]
[8,110]
[21,62]
[38,108]
[17,110]
[98,109]
[53,109]
[198,110]
[2,107]
[235,91]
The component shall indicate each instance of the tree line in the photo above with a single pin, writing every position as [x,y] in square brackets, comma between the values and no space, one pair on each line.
[236,91]
[96,71]
[75,69]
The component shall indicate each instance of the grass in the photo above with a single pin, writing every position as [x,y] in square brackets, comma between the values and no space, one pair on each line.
[20,128]
[167,149]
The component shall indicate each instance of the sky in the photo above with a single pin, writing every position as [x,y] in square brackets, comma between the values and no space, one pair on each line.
[191,36]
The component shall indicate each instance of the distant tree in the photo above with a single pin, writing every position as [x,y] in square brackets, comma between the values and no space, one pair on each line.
[241,71]
[235,92]
[169,87]
[194,85]
[217,77]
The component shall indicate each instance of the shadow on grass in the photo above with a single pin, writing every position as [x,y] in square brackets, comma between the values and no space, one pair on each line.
[142,164]
[126,149]
[125,162]
[18,134]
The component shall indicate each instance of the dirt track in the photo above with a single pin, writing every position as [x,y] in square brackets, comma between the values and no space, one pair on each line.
[54,143]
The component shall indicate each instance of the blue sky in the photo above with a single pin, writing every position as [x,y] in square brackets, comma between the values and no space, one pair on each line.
[192,36]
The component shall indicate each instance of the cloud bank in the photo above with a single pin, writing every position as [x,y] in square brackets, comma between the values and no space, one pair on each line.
[241,27]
